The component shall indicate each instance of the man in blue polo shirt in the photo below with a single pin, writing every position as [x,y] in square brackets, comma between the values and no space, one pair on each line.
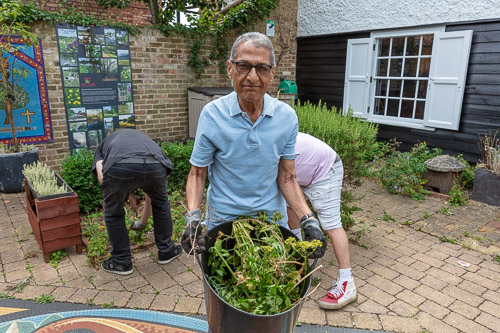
[245,143]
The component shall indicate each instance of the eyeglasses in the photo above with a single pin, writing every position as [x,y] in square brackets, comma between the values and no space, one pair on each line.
[243,67]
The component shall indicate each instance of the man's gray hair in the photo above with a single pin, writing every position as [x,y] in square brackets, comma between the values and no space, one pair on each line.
[257,39]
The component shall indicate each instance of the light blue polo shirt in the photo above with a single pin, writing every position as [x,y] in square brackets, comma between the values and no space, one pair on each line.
[243,158]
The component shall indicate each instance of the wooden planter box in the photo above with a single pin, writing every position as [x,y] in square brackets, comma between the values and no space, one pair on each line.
[55,220]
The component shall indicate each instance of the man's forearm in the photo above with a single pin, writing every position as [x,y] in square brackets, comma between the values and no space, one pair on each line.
[195,187]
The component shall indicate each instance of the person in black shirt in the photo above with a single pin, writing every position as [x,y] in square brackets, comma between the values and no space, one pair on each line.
[124,161]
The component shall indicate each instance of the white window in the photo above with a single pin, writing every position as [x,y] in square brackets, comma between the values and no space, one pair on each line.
[412,78]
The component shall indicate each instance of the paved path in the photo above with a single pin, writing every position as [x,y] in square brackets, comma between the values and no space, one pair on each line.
[407,279]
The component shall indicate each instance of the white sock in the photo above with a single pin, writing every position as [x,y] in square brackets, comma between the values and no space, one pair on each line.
[345,274]
[297,232]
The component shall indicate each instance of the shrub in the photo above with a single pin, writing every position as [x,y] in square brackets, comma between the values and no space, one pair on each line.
[179,153]
[402,172]
[42,179]
[352,138]
[76,170]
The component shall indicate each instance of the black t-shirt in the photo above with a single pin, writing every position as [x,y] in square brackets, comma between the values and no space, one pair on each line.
[128,143]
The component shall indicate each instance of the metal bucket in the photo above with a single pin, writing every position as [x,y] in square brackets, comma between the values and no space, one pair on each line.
[225,318]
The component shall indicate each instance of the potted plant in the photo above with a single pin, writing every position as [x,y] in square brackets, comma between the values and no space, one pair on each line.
[53,210]
[13,96]
[487,179]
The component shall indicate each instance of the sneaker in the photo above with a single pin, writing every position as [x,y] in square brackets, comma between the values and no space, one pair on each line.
[339,296]
[168,257]
[110,266]
[137,225]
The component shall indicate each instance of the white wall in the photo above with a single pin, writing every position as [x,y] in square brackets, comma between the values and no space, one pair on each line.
[320,17]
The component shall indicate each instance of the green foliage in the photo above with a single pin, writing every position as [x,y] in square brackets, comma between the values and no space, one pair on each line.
[497,258]
[445,211]
[402,172]
[457,195]
[349,136]
[4,295]
[76,170]
[44,298]
[42,179]
[179,153]
[489,146]
[94,230]
[262,273]
[113,3]
[56,257]
[467,176]
[31,12]
[445,239]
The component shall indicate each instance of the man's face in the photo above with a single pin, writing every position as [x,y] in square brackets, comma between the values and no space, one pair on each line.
[251,86]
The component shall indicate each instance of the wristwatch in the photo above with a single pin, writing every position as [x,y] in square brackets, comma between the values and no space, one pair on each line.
[305,217]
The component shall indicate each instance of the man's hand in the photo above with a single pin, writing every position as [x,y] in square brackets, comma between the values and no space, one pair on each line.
[312,232]
[192,240]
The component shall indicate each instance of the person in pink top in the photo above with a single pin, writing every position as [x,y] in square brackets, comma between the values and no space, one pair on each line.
[319,172]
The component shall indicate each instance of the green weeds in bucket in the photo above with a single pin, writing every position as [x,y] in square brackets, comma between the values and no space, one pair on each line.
[262,273]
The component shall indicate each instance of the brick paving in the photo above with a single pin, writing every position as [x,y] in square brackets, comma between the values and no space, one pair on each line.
[408,279]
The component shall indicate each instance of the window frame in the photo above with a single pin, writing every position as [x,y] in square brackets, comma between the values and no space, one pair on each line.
[383,119]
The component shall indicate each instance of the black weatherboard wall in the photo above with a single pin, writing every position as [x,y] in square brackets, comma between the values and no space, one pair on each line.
[320,74]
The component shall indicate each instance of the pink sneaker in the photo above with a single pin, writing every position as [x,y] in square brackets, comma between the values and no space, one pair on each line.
[339,296]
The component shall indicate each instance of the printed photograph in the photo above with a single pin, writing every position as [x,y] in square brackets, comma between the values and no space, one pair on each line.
[72,97]
[67,39]
[78,126]
[93,51]
[109,126]
[98,39]
[68,60]
[94,138]
[89,65]
[126,108]
[125,74]
[109,69]
[123,57]
[109,36]
[76,114]
[108,51]
[127,120]
[84,40]
[124,92]
[79,140]
[70,77]
[122,38]
[109,111]
[94,119]
[84,31]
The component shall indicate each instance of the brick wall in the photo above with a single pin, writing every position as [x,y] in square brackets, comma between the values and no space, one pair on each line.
[161,76]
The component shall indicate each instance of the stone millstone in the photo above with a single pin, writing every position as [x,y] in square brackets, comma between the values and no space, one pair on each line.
[445,163]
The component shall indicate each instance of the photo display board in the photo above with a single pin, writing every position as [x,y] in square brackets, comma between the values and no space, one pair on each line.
[97,82]
[31,102]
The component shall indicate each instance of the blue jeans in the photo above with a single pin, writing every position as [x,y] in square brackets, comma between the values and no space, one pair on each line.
[118,182]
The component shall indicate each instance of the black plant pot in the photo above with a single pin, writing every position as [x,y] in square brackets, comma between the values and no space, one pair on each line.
[486,187]
[11,169]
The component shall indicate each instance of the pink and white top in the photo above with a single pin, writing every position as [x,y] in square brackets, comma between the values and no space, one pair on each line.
[315,158]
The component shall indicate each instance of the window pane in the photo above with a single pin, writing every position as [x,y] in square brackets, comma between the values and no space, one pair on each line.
[422,89]
[410,67]
[409,88]
[383,47]
[407,109]
[382,67]
[396,65]
[412,45]
[379,106]
[427,44]
[419,110]
[393,107]
[395,88]
[425,65]
[381,89]
[397,46]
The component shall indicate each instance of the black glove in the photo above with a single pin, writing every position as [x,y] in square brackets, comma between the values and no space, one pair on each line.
[192,239]
[312,232]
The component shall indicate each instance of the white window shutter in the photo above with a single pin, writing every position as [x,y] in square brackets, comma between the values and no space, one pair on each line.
[357,76]
[450,57]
